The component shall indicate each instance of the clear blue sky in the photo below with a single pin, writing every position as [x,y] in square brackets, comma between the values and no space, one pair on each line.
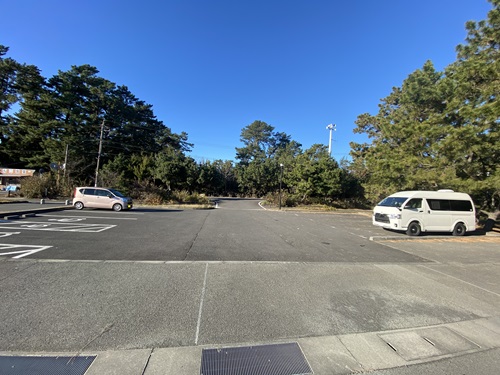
[212,67]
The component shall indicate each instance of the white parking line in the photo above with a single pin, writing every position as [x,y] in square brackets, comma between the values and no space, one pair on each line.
[28,249]
[90,217]
[7,234]
[201,306]
[56,227]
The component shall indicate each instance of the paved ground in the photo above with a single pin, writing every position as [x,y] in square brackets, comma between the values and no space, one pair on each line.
[159,286]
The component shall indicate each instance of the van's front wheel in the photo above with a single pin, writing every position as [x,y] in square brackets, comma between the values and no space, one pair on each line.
[117,207]
[414,229]
[459,229]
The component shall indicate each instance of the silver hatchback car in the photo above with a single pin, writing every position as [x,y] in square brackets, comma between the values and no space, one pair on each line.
[97,197]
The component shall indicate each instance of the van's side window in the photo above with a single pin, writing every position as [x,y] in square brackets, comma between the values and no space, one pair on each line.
[449,205]
[414,204]
[439,204]
[461,206]
[89,191]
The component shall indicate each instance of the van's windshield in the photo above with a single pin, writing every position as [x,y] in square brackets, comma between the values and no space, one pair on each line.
[392,202]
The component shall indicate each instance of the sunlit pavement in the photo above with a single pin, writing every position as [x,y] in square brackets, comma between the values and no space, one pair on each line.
[437,306]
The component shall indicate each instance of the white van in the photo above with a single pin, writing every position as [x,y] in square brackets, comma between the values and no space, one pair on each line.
[426,211]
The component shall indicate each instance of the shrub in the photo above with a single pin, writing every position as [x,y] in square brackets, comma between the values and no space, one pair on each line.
[183,196]
[39,187]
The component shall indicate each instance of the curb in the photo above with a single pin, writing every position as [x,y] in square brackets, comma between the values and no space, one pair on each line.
[355,352]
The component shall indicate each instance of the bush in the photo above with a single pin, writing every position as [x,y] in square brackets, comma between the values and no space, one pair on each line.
[287,199]
[150,194]
[184,196]
[39,187]
[294,200]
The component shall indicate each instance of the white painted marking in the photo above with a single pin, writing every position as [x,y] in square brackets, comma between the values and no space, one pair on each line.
[35,225]
[58,227]
[29,250]
[91,217]
[333,227]
[7,234]
[201,306]
[68,219]
[261,206]
[463,281]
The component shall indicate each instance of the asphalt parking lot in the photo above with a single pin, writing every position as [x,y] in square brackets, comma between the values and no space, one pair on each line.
[237,231]
[165,281]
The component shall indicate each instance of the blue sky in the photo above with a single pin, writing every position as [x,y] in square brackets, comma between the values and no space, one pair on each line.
[212,67]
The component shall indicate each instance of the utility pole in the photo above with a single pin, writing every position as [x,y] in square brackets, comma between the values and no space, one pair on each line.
[331,127]
[66,164]
[281,180]
[99,153]
[66,160]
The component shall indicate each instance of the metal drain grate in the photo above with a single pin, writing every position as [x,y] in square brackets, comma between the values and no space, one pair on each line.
[44,365]
[277,359]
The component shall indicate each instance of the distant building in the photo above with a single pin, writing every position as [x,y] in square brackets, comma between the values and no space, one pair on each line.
[13,176]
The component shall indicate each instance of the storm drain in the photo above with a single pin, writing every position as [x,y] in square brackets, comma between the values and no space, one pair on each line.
[426,343]
[277,359]
[44,365]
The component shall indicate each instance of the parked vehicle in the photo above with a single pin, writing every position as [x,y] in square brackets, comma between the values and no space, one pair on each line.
[97,197]
[426,211]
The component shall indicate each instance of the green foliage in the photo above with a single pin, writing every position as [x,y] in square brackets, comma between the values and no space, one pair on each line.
[269,158]
[69,110]
[314,175]
[264,150]
[184,196]
[216,178]
[40,186]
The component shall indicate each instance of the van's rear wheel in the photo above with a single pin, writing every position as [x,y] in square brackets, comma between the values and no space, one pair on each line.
[117,207]
[459,229]
[79,205]
[414,229]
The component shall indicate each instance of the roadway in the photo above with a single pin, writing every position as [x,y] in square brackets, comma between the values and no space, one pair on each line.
[160,281]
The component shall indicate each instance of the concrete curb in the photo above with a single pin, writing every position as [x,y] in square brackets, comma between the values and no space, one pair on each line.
[341,354]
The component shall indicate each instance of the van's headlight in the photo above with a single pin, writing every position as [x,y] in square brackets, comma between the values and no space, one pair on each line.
[395,216]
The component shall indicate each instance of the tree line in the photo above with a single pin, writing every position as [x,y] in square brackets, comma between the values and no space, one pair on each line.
[79,128]
[439,129]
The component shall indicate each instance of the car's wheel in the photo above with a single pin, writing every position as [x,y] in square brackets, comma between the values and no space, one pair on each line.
[79,205]
[117,207]
[414,229]
[459,229]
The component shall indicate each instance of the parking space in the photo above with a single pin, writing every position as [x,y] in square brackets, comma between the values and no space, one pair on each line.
[32,233]
[137,235]
[225,234]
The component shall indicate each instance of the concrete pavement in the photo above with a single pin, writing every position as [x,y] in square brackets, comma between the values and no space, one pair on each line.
[435,348]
